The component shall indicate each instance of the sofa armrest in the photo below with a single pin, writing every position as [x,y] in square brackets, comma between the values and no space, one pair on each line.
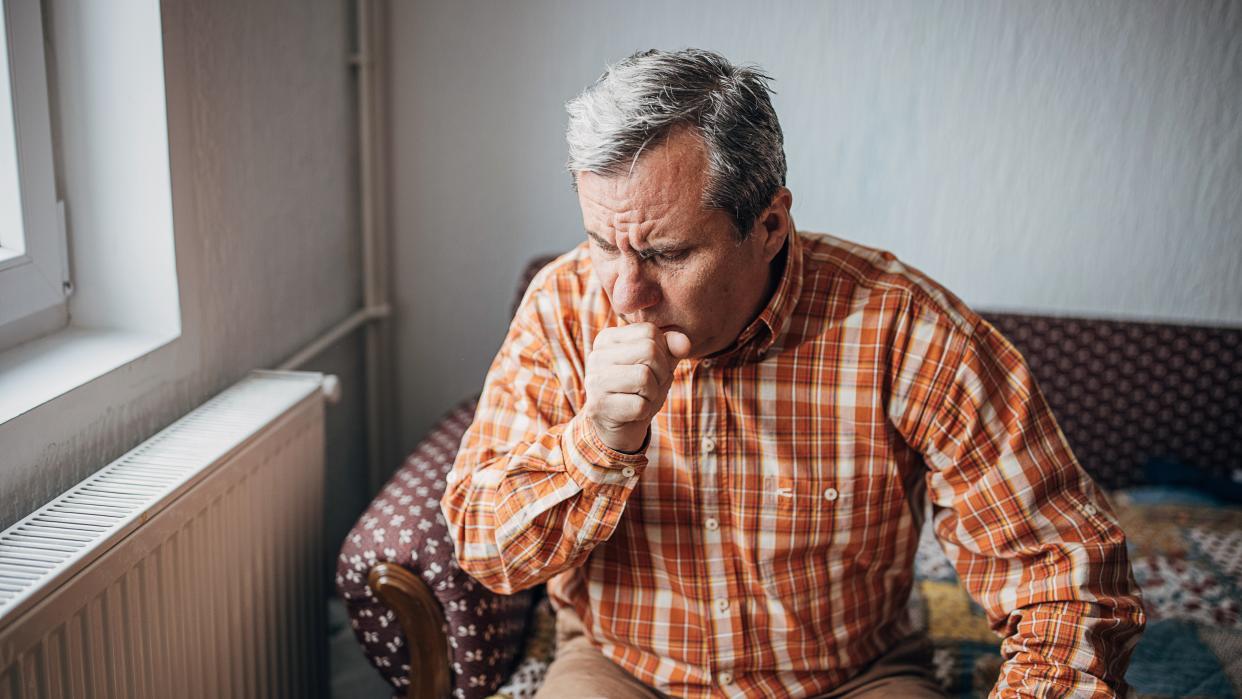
[422,622]
[404,534]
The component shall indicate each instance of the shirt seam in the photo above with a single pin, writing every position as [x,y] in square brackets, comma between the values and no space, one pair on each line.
[946,370]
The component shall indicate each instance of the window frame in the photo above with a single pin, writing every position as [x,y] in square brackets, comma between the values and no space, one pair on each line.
[114,167]
[34,266]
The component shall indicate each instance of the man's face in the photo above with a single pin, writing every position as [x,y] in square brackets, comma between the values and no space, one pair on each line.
[665,259]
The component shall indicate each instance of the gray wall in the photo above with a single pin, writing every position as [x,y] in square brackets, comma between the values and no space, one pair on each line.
[1054,156]
[263,156]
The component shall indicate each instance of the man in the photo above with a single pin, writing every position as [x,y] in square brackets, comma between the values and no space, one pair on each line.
[714,436]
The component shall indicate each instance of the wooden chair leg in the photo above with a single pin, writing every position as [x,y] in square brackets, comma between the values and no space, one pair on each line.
[421,620]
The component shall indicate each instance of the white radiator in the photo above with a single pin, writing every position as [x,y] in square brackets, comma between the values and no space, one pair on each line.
[190,567]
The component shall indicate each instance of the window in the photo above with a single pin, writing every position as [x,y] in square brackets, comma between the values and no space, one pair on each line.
[34,270]
[99,205]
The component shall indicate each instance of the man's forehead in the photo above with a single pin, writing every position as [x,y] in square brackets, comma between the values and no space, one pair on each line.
[636,208]
[623,194]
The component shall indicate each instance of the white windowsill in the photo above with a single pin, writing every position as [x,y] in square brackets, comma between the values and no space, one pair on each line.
[36,372]
[107,87]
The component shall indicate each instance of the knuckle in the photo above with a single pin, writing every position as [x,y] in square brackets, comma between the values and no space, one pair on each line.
[606,335]
[593,364]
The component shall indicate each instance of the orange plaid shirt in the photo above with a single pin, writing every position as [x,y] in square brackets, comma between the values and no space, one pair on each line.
[763,545]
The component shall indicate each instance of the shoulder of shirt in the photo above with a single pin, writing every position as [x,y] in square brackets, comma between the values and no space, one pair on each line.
[564,298]
[569,274]
[875,271]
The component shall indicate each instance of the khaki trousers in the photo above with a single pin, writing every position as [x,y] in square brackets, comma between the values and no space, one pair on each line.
[579,671]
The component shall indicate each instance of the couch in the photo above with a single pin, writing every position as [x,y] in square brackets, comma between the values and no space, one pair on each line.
[1153,411]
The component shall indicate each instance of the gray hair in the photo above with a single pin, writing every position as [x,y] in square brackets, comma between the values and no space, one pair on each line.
[639,101]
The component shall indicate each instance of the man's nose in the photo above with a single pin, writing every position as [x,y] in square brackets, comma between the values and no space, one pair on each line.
[633,291]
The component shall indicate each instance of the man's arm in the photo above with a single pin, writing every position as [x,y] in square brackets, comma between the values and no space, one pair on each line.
[1031,537]
[540,480]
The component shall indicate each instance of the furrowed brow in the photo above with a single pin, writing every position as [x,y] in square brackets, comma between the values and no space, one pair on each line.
[645,254]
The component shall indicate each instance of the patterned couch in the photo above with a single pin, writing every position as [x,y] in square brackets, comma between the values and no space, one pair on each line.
[1153,411]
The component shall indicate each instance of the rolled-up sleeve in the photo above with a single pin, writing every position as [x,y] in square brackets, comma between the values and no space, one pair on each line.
[1032,538]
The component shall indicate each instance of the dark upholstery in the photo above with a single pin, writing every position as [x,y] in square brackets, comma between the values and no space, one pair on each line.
[1123,392]
[404,525]
[1126,392]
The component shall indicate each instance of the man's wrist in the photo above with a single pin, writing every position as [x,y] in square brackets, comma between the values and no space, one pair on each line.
[624,441]
[641,448]
[588,445]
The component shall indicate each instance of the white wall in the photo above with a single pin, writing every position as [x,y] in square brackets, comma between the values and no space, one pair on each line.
[1054,156]
[263,160]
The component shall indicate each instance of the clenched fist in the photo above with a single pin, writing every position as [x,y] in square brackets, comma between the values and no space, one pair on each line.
[628,374]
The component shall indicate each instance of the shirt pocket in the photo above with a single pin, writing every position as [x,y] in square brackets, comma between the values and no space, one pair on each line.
[817,530]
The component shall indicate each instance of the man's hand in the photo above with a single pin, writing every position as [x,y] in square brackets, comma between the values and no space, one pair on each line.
[628,374]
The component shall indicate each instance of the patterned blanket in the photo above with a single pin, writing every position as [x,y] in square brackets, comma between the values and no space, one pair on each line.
[1187,558]
[1188,561]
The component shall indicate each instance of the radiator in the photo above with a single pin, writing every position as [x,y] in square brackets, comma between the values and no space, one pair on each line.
[190,567]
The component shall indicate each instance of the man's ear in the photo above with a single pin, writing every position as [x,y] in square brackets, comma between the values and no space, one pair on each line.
[774,225]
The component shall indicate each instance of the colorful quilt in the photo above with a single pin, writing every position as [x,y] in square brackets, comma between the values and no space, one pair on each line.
[1187,558]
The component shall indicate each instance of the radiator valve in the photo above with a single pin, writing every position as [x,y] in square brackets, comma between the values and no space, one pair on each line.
[331,387]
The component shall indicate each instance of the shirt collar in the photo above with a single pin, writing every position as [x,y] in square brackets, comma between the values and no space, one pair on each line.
[772,322]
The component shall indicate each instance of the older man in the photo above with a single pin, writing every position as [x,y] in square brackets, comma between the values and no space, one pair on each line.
[714,436]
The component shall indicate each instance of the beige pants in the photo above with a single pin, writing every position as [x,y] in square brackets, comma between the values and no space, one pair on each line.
[581,671]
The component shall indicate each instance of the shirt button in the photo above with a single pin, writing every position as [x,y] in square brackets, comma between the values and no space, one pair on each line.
[711,523]
[709,363]
[709,445]
[722,605]
[1088,510]
[628,471]
[724,677]
[831,494]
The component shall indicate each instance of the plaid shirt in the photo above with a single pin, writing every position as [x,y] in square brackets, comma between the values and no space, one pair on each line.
[763,545]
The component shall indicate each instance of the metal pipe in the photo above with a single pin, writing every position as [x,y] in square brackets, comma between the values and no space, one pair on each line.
[371,181]
[343,328]
[371,202]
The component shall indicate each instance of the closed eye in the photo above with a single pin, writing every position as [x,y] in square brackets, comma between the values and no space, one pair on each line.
[669,256]
[659,255]
[602,244]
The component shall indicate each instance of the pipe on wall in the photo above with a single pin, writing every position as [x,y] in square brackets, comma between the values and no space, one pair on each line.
[369,25]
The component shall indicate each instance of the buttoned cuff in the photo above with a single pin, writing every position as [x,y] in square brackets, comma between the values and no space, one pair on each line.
[594,464]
